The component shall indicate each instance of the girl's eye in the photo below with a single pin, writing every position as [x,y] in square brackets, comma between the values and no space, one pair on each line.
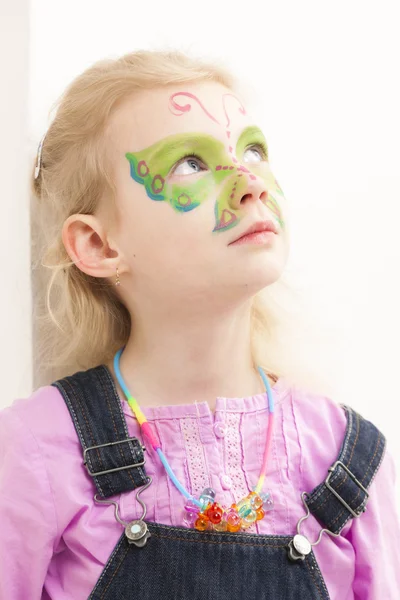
[188,166]
[255,153]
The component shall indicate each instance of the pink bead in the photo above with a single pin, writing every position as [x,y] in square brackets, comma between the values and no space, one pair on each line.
[189,518]
[191,507]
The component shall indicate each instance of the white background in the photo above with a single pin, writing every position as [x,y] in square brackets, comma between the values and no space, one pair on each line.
[324,80]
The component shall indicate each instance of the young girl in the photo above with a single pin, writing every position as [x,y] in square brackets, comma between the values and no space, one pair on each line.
[177,460]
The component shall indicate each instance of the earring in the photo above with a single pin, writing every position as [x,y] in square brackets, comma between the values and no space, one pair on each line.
[117,281]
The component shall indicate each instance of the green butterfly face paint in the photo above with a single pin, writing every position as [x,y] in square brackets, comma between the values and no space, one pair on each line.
[223,176]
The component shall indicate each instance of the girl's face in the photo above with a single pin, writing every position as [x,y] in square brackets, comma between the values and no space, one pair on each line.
[192,175]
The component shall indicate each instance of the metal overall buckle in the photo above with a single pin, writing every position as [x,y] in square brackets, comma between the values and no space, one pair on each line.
[136,531]
[300,546]
[85,462]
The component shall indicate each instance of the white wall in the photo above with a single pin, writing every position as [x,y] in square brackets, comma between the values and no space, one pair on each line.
[324,78]
[15,297]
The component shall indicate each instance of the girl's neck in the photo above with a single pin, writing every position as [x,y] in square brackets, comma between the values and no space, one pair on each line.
[183,360]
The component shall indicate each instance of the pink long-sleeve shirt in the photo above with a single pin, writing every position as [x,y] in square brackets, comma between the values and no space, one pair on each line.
[55,539]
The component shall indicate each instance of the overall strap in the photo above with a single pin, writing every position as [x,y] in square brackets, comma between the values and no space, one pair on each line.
[343,495]
[112,458]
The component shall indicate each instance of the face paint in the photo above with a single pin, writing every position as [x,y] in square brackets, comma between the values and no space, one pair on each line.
[224,179]
[253,136]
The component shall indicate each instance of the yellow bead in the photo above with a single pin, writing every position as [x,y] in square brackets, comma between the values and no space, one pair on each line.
[250,517]
[221,526]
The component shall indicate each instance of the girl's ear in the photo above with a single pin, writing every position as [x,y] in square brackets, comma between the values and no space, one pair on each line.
[86,242]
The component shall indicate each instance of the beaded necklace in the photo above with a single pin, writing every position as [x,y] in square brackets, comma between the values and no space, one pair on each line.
[204,513]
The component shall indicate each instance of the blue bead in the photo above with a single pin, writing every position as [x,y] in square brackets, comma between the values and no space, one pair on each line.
[265,496]
[207,497]
[208,492]
[244,509]
[268,503]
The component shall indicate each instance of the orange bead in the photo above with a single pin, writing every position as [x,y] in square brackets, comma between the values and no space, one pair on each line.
[201,522]
[233,528]
[260,514]
[256,501]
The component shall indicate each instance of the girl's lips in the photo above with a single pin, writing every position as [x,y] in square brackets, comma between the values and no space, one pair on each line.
[258,238]
[258,227]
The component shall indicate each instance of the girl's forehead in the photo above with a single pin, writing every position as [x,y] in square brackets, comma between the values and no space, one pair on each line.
[148,117]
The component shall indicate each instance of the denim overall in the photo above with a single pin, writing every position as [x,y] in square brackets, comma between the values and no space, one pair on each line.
[177,563]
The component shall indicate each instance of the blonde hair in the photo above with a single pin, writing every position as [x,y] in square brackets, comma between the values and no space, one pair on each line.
[80,321]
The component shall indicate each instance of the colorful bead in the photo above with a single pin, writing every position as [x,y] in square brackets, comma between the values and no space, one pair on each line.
[238,516]
[260,514]
[233,521]
[244,508]
[255,500]
[221,526]
[246,524]
[265,496]
[208,492]
[201,522]
[250,517]
[214,513]
[206,497]
[268,503]
[189,518]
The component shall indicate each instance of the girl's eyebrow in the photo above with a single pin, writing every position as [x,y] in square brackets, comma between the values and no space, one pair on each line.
[175,146]
[170,148]
[251,131]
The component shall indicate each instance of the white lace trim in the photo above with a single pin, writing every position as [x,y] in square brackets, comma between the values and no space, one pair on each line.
[196,461]
[234,456]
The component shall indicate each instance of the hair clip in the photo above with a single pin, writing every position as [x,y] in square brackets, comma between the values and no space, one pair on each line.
[39,157]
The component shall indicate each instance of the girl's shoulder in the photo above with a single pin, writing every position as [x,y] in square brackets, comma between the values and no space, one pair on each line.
[44,416]
[313,426]
[315,417]
[41,454]
[318,425]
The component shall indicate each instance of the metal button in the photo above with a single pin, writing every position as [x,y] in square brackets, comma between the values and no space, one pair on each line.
[301,544]
[219,429]
[226,481]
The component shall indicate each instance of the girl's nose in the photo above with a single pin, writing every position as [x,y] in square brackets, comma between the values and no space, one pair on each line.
[256,190]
